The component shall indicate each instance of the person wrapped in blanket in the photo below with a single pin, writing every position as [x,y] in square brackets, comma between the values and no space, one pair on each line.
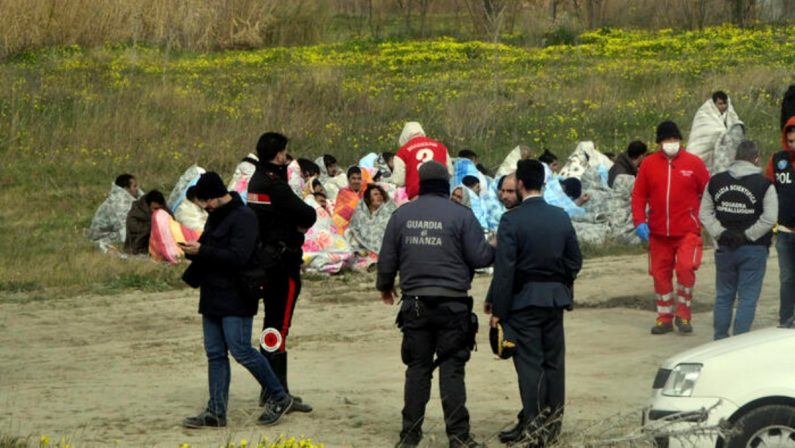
[109,224]
[300,175]
[468,195]
[189,213]
[152,230]
[139,222]
[242,175]
[324,248]
[348,197]
[368,225]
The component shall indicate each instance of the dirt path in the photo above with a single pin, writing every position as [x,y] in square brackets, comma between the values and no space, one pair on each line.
[126,369]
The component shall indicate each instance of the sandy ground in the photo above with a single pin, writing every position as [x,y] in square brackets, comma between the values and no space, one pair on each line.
[125,369]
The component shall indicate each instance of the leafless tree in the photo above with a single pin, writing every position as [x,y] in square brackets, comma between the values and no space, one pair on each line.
[742,11]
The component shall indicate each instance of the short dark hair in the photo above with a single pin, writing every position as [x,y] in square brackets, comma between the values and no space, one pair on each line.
[470,181]
[747,150]
[572,187]
[354,170]
[154,196]
[467,153]
[124,180]
[789,129]
[308,167]
[500,182]
[372,187]
[720,95]
[270,144]
[328,159]
[547,157]
[190,193]
[531,173]
[388,156]
[316,183]
[636,149]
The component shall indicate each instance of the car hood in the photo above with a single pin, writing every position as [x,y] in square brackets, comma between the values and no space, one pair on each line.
[745,342]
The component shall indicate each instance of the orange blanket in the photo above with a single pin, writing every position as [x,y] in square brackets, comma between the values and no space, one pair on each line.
[347,201]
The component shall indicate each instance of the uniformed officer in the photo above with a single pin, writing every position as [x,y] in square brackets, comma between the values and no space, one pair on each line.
[283,220]
[781,170]
[436,245]
[739,210]
[536,262]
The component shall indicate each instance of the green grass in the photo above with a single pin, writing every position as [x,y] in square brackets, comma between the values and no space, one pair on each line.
[71,119]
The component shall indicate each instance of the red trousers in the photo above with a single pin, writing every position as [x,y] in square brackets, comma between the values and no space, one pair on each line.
[666,255]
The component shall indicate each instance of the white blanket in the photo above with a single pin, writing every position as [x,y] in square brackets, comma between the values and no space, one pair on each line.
[585,156]
[707,130]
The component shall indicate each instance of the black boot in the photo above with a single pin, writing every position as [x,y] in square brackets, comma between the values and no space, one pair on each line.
[278,362]
[515,433]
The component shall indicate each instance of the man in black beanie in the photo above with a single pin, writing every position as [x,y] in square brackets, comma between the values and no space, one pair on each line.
[223,251]
[436,245]
[283,220]
[665,205]
[537,260]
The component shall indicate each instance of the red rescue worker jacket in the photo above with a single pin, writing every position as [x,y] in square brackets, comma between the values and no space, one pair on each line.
[672,189]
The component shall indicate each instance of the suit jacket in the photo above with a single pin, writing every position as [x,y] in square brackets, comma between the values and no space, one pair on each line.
[537,259]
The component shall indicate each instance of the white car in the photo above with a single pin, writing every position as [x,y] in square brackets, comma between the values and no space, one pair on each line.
[742,388]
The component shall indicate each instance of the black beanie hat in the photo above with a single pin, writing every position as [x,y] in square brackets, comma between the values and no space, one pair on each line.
[668,129]
[210,186]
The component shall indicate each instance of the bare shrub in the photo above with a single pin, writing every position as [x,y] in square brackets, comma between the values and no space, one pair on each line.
[181,24]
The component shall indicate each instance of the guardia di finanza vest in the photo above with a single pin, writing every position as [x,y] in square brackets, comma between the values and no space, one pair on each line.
[785,187]
[740,202]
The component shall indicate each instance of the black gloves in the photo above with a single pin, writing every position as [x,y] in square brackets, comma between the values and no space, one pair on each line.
[732,239]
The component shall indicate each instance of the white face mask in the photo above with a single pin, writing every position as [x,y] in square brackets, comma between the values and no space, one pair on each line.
[670,149]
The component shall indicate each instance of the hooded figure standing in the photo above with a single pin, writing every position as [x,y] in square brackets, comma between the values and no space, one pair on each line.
[712,121]
[670,183]
[416,149]
[283,219]
[436,245]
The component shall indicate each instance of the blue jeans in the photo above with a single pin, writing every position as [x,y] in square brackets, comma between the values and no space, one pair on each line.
[739,274]
[785,246]
[233,334]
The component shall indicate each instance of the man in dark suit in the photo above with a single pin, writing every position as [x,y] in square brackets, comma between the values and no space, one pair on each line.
[535,266]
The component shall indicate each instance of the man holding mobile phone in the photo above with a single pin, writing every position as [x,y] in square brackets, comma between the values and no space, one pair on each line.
[224,249]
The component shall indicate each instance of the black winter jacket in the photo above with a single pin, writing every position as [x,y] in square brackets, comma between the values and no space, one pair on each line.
[282,216]
[227,244]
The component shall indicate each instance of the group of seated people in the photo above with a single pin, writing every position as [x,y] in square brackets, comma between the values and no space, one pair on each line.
[354,205]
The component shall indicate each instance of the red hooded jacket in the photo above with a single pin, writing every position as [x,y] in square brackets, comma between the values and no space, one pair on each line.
[672,189]
[784,146]
[416,152]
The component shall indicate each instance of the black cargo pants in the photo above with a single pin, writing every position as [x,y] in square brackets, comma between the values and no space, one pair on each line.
[444,327]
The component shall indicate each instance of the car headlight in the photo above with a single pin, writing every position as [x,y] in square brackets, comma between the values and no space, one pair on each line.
[682,380]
